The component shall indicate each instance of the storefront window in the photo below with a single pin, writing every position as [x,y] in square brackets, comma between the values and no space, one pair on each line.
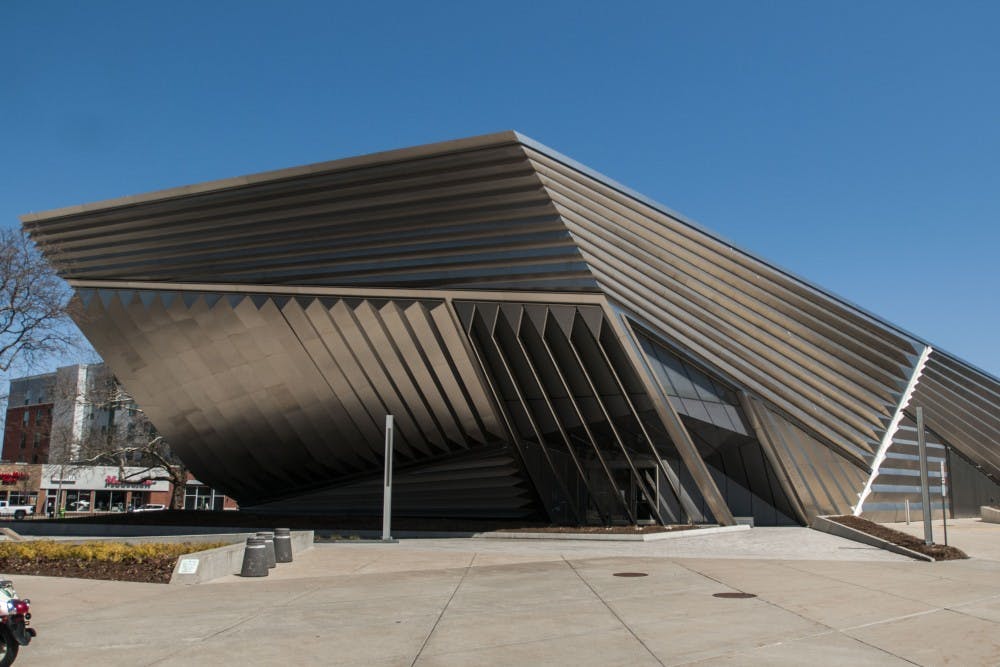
[200,497]
[139,498]
[109,501]
[77,500]
[22,498]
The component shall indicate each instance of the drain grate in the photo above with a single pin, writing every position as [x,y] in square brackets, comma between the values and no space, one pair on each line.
[734,596]
[630,574]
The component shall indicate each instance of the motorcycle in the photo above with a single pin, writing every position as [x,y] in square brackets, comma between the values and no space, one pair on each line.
[15,616]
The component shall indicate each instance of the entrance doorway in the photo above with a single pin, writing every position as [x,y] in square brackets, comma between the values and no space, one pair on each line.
[634,496]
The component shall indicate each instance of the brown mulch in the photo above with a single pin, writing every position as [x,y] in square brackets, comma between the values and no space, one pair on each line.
[156,570]
[935,551]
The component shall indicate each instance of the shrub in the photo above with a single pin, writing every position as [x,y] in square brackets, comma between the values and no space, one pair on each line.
[114,552]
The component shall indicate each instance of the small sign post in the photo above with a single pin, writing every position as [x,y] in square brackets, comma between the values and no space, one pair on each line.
[387,482]
[944,503]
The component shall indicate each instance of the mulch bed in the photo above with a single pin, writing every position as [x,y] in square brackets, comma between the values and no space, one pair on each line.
[155,570]
[935,551]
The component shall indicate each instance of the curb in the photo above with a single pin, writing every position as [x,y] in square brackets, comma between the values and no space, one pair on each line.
[825,525]
[612,537]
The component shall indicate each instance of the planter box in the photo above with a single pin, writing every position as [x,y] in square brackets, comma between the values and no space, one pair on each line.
[204,566]
[827,525]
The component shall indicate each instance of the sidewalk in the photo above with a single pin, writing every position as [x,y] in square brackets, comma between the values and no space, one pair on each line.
[496,602]
[973,536]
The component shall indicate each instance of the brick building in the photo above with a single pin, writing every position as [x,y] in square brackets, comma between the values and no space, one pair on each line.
[28,425]
[52,417]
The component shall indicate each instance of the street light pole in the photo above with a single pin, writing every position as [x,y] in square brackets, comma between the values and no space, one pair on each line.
[387,482]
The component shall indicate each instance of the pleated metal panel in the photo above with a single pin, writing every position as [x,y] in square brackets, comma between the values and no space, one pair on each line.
[482,485]
[823,481]
[583,424]
[502,214]
[962,404]
[263,395]
[832,367]
[452,215]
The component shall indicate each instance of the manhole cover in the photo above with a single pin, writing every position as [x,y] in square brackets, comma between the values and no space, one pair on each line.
[736,596]
[630,574]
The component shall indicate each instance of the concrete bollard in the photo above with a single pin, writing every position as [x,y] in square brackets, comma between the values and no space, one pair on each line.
[254,558]
[268,538]
[283,545]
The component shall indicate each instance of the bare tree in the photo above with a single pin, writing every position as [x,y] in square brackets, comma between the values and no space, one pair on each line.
[34,305]
[118,433]
[153,458]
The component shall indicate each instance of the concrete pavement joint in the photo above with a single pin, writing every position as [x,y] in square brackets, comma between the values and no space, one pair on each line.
[529,642]
[202,639]
[805,618]
[747,652]
[615,613]
[891,620]
[444,609]
[893,593]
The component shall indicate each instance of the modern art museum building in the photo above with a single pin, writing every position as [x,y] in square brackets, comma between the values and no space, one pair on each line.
[552,346]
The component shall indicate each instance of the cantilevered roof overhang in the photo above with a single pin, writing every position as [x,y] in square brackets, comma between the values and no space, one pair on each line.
[501,213]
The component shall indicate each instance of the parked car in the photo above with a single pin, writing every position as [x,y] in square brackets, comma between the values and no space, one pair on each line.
[79,506]
[17,511]
[152,507]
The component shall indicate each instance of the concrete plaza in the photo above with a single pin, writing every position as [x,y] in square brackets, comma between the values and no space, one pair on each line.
[820,600]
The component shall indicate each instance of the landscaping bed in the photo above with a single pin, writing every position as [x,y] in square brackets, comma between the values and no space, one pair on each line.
[116,561]
[935,551]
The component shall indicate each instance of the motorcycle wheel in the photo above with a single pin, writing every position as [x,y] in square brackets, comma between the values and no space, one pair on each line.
[8,647]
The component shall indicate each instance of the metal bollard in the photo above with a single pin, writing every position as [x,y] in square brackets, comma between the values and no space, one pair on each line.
[268,538]
[283,545]
[254,558]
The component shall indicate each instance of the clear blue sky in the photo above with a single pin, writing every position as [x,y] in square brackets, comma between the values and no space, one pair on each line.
[856,144]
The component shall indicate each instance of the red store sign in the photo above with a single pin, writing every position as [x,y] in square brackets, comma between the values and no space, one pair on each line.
[12,477]
[112,482]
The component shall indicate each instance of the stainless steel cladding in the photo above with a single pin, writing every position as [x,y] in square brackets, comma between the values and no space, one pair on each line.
[552,345]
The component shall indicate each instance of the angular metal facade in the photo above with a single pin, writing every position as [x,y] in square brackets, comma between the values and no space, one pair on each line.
[552,345]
